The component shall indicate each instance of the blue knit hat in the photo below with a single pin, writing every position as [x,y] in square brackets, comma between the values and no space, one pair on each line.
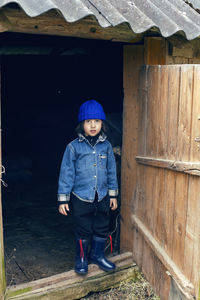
[91,109]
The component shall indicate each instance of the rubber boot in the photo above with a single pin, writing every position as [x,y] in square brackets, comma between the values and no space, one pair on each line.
[97,254]
[81,259]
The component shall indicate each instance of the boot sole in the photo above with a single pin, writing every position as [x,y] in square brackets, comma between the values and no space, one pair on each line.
[81,273]
[102,268]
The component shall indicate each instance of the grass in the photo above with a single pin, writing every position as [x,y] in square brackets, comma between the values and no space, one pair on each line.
[134,289]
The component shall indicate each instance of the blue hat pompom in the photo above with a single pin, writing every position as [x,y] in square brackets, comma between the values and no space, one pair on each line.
[91,109]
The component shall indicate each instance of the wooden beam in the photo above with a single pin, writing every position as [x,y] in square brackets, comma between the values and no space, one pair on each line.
[70,285]
[2,264]
[185,285]
[133,59]
[183,48]
[4,22]
[52,23]
[192,168]
[155,51]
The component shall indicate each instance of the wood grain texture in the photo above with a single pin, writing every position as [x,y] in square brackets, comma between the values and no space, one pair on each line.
[133,59]
[163,257]
[155,51]
[167,194]
[186,167]
[192,247]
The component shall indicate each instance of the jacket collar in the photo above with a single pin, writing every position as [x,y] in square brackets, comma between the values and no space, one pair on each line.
[102,137]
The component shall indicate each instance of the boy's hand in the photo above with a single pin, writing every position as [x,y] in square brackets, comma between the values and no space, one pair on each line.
[113,203]
[63,209]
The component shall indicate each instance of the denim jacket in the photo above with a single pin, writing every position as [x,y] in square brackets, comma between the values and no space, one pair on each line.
[87,169]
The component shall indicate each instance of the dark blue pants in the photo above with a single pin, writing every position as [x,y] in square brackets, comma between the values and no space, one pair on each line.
[91,218]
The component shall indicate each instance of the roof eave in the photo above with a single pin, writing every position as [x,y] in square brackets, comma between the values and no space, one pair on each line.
[14,19]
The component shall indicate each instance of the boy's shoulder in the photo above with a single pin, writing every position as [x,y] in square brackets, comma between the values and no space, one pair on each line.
[107,142]
[72,143]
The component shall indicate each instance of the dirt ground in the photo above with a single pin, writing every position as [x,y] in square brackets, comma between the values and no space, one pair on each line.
[38,241]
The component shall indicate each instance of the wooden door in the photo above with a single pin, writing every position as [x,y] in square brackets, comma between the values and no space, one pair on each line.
[163,198]
[2,266]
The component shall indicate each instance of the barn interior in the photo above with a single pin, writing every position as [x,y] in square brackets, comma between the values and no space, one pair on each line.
[43,82]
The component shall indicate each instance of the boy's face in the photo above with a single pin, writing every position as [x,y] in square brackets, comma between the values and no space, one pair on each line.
[92,126]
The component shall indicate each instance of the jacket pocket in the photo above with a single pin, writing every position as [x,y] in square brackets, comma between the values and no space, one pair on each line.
[103,161]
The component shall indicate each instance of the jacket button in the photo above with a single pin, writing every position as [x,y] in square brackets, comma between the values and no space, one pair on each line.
[94,165]
[93,152]
[95,176]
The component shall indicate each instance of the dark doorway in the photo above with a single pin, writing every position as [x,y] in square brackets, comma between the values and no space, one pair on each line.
[41,95]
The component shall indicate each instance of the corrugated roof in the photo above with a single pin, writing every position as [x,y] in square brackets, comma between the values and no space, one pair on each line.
[194,3]
[169,16]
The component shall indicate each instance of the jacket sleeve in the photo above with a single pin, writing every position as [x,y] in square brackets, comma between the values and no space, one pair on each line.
[112,173]
[67,175]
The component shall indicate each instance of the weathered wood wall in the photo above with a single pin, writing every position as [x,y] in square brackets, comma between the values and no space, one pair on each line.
[160,167]
[166,201]
[134,57]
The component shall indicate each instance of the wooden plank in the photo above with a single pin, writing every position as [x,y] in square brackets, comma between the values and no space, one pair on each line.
[195,60]
[170,187]
[52,23]
[141,191]
[172,111]
[133,59]
[63,286]
[159,223]
[2,263]
[177,60]
[185,284]
[138,247]
[176,292]
[158,276]
[147,204]
[185,109]
[183,154]
[170,152]
[161,83]
[184,48]
[152,199]
[4,23]
[180,215]
[119,260]
[155,51]
[153,95]
[192,248]
[77,290]
[191,261]
[186,167]
[195,126]
[148,264]
[161,107]
[142,127]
